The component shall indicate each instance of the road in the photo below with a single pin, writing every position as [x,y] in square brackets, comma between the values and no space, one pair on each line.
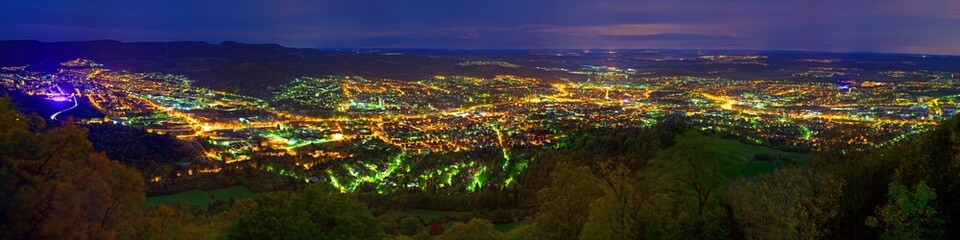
[75,104]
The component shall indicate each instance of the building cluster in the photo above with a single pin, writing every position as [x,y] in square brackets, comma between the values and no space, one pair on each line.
[461,113]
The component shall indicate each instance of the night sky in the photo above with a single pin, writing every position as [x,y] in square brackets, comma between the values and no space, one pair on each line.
[905,26]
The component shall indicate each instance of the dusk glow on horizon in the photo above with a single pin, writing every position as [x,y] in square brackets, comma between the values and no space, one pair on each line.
[925,26]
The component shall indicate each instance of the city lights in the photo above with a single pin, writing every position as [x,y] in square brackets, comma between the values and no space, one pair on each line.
[452,114]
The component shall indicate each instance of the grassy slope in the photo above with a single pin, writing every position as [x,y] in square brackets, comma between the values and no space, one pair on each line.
[235,192]
[718,148]
[731,150]
[200,197]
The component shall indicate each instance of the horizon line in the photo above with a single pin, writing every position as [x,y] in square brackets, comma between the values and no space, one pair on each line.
[490,49]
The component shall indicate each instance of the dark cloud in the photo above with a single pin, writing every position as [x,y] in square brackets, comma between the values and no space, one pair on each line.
[670,37]
[920,26]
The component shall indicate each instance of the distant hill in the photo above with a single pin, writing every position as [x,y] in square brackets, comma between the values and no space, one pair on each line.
[253,68]
[238,67]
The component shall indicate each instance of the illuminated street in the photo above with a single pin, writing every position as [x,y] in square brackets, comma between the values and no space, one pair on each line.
[448,114]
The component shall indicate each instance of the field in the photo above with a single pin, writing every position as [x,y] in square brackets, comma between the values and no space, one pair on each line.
[715,148]
[735,151]
[201,197]
[509,226]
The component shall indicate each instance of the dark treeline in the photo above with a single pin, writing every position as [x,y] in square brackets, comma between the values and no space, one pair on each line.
[905,191]
[153,154]
[599,184]
[172,160]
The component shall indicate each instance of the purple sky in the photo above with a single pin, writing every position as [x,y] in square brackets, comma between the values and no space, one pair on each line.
[908,26]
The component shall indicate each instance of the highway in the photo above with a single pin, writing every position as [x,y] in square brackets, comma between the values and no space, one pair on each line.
[75,104]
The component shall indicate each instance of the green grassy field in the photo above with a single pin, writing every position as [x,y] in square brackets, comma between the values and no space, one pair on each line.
[509,226]
[236,192]
[735,151]
[200,197]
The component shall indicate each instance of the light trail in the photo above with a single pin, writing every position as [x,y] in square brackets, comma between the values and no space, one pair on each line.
[75,104]
[503,147]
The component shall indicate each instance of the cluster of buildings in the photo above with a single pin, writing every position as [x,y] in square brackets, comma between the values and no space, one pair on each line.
[446,114]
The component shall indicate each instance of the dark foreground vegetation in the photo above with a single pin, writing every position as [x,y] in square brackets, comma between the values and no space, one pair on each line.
[663,182]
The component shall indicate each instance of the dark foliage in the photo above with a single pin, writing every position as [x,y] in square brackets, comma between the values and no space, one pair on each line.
[137,148]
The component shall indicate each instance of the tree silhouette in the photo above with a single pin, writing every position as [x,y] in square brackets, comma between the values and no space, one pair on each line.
[478,229]
[565,204]
[615,215]
[56,186]
[909,214]
[311,214]
[793,203]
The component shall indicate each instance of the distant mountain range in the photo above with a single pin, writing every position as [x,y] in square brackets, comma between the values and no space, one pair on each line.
[253,68]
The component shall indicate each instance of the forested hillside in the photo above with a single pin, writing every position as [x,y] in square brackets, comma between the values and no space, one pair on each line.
[669,181]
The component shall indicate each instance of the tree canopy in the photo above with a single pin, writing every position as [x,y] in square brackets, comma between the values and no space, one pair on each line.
[311,214]
[56,186]
[475,229]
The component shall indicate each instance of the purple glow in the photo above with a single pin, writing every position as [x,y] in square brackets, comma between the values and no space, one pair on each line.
[927,26]
[58,98]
